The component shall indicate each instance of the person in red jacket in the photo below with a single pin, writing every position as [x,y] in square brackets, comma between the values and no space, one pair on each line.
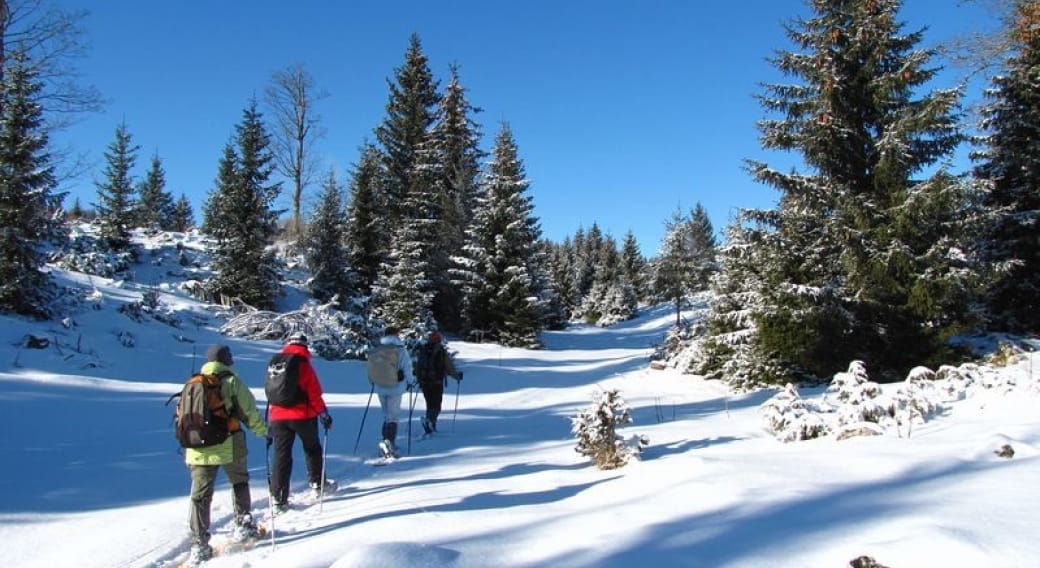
[287,422]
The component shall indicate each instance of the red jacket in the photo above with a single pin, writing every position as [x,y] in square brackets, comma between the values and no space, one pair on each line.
[315,404]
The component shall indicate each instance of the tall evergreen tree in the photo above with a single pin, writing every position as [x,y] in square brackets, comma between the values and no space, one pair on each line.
[1010,169]
[239,217]
[410,111]
[864,260]
[116,203]
[325,247]
[368,235]
[501,295]
[634,265]
[155,206]
[456,139]
[26,193]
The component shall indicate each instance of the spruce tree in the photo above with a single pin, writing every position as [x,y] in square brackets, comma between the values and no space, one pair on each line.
[368,234]
[155,207]
[116,205]
[501,295]
[325,247]
[862,260]
[633,265]
[456,139]
[239,217]
[410,111]
[1010,169]
[183,215]
[26,193]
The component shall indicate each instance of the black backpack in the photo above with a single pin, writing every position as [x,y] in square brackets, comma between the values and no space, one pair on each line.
[200,418]
[428,364]
[282,384]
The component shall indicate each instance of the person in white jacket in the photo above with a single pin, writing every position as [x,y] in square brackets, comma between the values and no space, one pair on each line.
[389,364]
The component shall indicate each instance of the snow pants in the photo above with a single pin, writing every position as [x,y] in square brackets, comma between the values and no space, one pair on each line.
[203,480]
[283,434]
[433,394]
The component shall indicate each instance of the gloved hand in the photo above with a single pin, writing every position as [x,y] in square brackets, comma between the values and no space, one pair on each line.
[326,420]
[411,386]
[400,375]
[270,441]
[459,377]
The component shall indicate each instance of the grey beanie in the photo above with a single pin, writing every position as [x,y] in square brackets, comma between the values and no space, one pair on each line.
[220,353]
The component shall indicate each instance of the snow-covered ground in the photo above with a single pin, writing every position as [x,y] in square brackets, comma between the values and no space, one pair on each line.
[92,476]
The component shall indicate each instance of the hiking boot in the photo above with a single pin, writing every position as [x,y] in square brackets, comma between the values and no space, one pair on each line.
[386,447]
[330,487]
[428,426]
[245,529]
[199,553]
[281,507]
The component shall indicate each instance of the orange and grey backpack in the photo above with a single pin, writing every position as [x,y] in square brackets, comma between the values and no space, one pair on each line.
[201,419]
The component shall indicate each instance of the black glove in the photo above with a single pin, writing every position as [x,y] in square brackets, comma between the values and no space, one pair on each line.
[459,378]
[400,375]
[270,441]
[326,420]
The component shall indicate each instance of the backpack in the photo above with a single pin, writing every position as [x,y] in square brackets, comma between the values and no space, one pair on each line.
[428,365]
[383,360]
[200,418]
[282,384]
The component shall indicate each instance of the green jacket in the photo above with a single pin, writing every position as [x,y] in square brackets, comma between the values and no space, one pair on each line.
[241,404]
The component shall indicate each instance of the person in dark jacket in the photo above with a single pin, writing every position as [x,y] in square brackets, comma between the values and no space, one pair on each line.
[285,423]
[432,369]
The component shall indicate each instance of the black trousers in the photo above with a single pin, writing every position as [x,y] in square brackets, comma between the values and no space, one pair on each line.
[433,393]
[283,434]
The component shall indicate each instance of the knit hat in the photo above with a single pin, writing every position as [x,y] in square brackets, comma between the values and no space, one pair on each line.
[220,353]
[435,337]
[297,338]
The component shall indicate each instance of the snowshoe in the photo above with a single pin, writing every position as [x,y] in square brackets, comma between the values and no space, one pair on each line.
[387,449]
[245,529]
[428,426]
[329,487]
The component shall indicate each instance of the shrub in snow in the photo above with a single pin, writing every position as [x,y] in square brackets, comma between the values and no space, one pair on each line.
[596,430]
[790,418]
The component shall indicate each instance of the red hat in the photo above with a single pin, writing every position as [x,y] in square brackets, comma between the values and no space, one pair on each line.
[435,337]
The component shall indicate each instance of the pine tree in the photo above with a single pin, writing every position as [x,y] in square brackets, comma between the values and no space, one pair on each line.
[1010,168]
[501,296]
[26,193]
[861,260]
[633,265]
[687,258]
[116,204]
[456,138]
[183,215]
[410,111]
[239,217]
[368,234]
[155,207]
[325,247]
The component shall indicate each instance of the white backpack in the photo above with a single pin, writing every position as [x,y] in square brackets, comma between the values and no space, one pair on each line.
[383,363]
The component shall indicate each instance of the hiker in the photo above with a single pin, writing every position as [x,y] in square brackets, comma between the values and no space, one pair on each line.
[205,462]
[285,422]
[433,367]
[388,365]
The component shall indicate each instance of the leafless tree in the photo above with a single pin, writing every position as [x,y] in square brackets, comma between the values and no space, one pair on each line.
[291,98]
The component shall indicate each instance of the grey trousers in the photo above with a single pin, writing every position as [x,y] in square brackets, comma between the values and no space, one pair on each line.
[203,480]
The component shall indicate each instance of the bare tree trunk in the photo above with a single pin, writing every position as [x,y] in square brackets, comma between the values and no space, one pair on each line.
[291,97]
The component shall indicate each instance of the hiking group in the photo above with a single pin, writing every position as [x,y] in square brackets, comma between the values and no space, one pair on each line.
[215,404]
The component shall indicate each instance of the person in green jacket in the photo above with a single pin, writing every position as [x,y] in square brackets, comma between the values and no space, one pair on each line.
[204,463]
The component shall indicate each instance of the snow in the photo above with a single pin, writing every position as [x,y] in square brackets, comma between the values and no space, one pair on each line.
[92,476]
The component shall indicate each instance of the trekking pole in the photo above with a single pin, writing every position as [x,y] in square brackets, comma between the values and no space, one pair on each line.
[454,413]
[411,407]
[324,455]
[363,416]
[270,492]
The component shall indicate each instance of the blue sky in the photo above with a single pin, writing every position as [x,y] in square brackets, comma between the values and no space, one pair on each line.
[622,111]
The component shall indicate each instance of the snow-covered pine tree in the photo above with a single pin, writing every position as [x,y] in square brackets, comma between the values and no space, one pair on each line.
[687,257]
[27,201]
[1010,168]
[155,206]
[500,291]
[183,215]
[368,234]
[116,203]
[324,247]
[410,112]
[239,217]
[867,259]
[456,138]
[596,430]
[634,265]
